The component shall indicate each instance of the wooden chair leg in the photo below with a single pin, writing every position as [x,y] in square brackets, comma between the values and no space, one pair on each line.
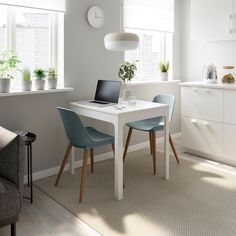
[173,148]
[83,175]
[150,141]
[127,143]
[67,154]
[113,148]
[154,151]
[13,229]
[92,159]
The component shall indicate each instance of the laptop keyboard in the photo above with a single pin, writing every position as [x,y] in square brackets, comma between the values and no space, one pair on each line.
[99,102]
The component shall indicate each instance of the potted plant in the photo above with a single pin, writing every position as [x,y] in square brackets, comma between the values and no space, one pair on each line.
[52,78]
[26,83]
[39,75]
[126,73]
[164,67]
[8,64]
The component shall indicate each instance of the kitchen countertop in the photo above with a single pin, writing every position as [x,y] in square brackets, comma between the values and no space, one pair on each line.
[205,85]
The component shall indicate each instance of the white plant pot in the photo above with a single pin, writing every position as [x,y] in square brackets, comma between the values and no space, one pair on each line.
[26,85]
[39,84]
[164,76]
[52,84]
[5,85]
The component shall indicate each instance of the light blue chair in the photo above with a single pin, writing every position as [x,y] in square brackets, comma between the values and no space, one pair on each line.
[86,138]
[152,125]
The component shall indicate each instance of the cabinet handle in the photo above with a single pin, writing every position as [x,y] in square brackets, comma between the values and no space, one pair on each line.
[195,90]
[206,123]
[207,91]
[194,121]
[231,22]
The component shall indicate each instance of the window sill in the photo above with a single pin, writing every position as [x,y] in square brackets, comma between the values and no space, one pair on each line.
[45,91]
[147,82]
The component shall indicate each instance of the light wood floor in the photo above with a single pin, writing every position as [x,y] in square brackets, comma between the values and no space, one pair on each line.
[45,217]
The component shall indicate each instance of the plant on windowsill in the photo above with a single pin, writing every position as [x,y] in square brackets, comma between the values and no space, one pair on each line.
[26,83]
[126,73]
[164,67]
[39,75]
[8,64]
[52,78]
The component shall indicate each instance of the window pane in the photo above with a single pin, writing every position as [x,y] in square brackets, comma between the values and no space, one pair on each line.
[3,27]
[149,53]
[33,37]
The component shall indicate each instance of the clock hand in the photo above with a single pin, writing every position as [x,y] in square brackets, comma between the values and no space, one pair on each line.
[96,16]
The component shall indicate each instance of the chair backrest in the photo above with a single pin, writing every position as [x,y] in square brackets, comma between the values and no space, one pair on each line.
[166,99]
[74,128]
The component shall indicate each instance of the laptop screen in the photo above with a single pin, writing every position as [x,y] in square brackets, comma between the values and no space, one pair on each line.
[108,91]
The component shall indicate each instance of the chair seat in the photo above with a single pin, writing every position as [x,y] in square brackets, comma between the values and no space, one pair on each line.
[148,125]
[98,138]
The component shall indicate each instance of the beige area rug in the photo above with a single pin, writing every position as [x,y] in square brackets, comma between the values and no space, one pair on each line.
[197,200]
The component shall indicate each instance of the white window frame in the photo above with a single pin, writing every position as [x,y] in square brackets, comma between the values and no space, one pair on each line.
[163,51]
[56,37]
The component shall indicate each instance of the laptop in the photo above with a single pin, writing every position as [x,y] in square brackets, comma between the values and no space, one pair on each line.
[107,93]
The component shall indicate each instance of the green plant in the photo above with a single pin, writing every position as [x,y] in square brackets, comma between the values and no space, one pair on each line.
[52,73]
[26,76]
[39,73]
[164,67]
[8,63]
[127,71]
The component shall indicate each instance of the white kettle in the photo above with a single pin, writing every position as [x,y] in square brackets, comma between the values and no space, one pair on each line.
[209,74]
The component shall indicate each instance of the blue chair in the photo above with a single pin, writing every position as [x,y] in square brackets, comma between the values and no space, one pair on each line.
[86,138]
[152,125]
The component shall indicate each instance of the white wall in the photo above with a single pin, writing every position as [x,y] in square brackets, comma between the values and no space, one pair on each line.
[195,54]
[86,61]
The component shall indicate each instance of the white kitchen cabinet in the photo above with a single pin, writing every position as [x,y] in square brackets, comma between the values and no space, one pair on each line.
[208,120]
[230,107]
[203,103]
[213,20]
[206,136]
[229,152]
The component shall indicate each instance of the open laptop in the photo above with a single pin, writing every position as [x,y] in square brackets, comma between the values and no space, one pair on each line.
[107,93]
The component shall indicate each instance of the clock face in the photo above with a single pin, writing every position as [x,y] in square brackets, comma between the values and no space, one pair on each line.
[95,17]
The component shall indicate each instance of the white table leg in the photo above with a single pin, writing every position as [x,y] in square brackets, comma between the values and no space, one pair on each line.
[166,146]
[118,161]
[72,161]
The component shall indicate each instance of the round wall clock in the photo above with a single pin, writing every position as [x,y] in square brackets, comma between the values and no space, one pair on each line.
[95,17]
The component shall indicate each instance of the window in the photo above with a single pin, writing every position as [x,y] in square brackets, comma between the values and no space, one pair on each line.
[3,27]
[33,37]
[153,21]
[35,31]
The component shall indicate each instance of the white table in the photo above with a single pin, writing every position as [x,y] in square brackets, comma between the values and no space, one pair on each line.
[119,118]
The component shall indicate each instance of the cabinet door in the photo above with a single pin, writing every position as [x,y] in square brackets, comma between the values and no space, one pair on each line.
[230,107]
[234,19]
[202,103]
[229,143]
[211,19]
[202,136]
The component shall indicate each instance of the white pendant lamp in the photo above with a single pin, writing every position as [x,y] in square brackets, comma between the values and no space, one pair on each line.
[121,41]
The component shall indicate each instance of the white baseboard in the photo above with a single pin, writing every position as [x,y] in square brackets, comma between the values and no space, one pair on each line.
[105,156]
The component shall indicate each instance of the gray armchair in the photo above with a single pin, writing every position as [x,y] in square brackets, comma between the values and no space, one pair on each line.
[11,177]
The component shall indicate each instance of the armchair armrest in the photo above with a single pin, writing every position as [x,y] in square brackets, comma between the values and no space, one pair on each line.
[12,158]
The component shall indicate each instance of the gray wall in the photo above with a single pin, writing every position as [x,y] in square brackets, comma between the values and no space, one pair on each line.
[86,61]
[195,54]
